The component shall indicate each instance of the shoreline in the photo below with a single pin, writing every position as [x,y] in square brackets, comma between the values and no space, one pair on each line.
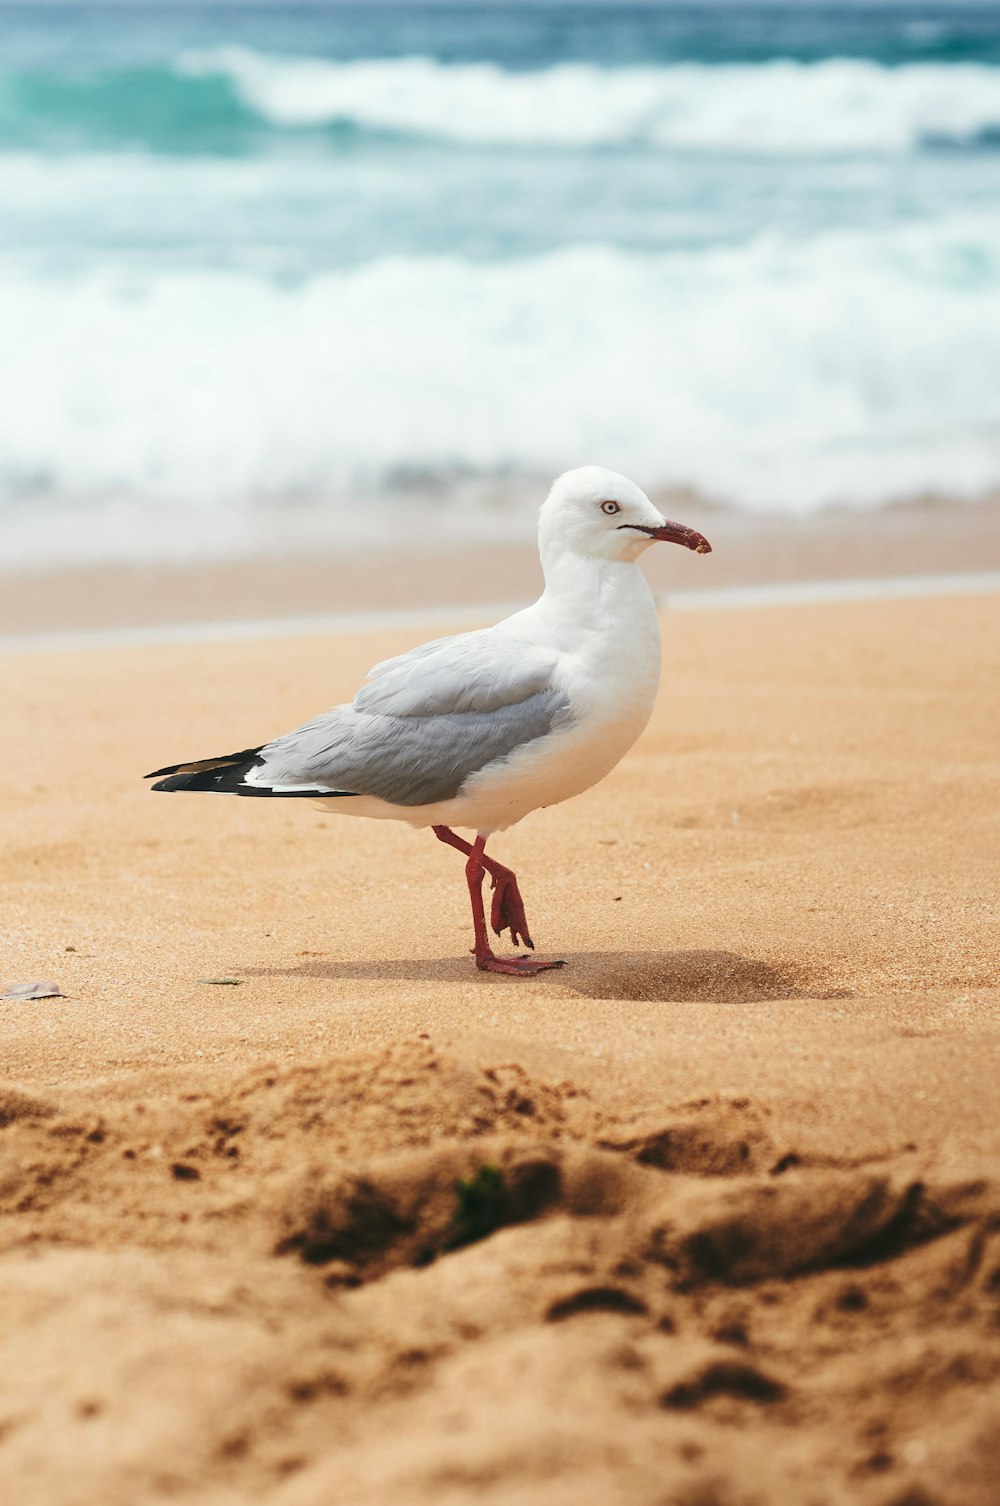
[734,598]
[436,575]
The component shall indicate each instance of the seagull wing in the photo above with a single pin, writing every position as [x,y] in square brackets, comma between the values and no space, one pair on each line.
[423,724]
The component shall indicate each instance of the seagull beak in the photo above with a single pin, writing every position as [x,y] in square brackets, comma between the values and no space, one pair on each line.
[676,533]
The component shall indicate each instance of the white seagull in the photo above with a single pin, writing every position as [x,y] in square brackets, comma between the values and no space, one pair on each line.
[478,729]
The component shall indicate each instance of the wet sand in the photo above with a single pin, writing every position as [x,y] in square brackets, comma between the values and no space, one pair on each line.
[710,1216]
[427,571]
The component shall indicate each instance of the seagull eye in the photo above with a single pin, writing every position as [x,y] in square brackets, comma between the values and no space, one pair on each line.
[610,508]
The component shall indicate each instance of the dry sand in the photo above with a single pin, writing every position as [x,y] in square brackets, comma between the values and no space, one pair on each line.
[709,1218]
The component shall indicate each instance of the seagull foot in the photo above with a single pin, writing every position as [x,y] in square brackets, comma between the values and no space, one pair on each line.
[522,966]
[507,911]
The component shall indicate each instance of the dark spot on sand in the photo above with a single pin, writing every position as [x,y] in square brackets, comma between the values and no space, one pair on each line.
[724,1378]
[731,1333]
[593,1299]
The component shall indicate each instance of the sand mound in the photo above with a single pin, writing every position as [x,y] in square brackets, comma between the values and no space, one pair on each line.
[367,1279]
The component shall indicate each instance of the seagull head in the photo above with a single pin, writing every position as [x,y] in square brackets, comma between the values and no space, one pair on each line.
[600,514]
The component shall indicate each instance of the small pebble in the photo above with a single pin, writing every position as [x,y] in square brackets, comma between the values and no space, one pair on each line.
[33,991]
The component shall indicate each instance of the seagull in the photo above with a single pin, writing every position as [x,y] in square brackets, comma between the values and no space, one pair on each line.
[478,729]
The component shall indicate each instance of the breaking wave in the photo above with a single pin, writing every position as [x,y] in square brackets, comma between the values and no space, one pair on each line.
[224,99]
[778,106]
[776,374]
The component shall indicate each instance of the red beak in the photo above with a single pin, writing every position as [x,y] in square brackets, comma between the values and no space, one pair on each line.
[676,533]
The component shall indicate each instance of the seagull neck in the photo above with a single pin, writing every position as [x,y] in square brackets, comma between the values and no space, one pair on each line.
[584,589]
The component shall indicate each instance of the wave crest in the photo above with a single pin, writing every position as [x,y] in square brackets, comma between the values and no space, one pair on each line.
[838,105]
[774,374]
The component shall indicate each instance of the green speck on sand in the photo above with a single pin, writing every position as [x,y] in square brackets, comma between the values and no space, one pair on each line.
[482,1207]
[227,982]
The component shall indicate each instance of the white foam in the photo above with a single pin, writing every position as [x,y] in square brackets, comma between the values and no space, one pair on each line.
[209,409]
[837,105]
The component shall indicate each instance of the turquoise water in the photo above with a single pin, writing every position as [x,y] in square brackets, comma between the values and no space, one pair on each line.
[260,261]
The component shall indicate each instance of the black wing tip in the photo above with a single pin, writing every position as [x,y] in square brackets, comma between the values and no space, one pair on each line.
[230,761]
[220,784]
[204,780]
[226,776]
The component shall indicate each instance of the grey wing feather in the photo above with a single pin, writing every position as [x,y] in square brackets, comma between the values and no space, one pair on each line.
[481,671]
[425,723]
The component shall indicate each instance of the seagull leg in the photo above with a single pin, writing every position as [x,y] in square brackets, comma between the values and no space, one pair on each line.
[486,960]
[507,908]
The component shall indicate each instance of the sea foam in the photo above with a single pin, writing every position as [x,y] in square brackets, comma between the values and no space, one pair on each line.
[782,106]
[778,374]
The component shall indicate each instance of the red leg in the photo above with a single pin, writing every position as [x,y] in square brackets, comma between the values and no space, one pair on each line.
[507,908]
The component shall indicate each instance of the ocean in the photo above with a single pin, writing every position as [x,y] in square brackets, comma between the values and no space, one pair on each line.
[278,273]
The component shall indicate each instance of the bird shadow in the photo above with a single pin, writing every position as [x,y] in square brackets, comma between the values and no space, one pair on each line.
[680,977]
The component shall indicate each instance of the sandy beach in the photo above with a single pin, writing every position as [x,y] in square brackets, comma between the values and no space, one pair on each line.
[305,310]
[711,1217]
